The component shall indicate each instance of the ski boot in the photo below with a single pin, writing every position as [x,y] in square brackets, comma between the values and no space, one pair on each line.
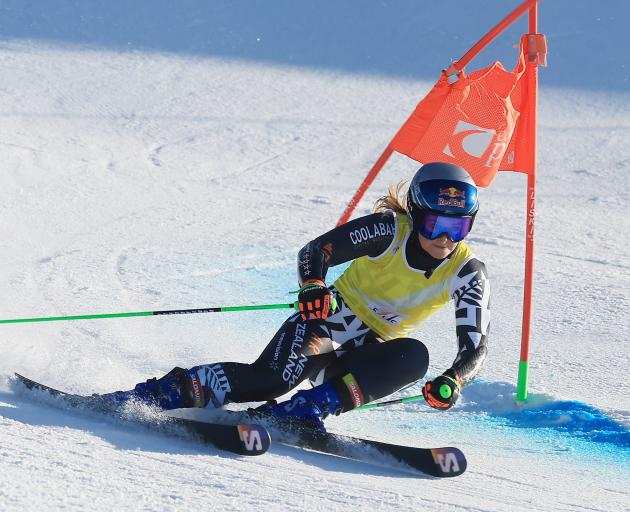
[307,407]
[177,389]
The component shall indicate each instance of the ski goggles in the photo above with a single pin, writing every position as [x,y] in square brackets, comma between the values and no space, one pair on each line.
[432,225]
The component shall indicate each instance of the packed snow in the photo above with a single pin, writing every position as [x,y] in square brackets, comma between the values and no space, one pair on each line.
[160,155]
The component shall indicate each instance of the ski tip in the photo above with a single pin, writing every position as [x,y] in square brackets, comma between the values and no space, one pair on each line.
[23,380]
[255,439]
[29,383]
[448,462]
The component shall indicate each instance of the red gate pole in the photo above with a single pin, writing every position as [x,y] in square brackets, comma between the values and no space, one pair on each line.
[532,91]
[376,168]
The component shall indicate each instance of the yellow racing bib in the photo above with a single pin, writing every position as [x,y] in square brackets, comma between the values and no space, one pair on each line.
[392,298]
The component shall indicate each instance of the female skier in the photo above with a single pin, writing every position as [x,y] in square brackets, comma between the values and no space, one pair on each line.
[350,339]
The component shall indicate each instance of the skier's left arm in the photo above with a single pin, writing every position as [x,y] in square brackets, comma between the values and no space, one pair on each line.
[470,290]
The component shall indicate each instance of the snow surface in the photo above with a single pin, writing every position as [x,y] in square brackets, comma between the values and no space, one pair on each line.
[160,155]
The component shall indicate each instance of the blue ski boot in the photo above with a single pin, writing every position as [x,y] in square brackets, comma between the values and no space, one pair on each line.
[178,388]
[308,407]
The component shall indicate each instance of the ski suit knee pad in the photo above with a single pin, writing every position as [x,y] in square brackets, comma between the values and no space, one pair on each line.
[413,357]
[377,370]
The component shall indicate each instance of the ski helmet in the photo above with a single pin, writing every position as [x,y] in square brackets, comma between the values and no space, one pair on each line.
[442,198]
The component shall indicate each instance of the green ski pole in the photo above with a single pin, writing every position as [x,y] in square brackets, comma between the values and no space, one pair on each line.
[389,402]
[151,313]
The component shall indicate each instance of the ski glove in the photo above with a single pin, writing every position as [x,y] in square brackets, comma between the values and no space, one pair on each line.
[315,300]
[442,392]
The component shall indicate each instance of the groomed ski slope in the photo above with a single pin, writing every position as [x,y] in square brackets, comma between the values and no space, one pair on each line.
[160,157]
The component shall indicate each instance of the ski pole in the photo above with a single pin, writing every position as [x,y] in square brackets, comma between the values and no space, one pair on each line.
[392,402]
[389,402]
[152,313]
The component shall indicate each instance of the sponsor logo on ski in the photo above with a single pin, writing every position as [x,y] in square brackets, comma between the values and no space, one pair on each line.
[250,438]
[355,390]
[446,460]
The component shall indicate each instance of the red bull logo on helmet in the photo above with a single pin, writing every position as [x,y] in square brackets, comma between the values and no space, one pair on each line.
[452,196]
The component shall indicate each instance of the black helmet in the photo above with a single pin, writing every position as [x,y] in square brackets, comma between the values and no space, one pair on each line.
[442,198]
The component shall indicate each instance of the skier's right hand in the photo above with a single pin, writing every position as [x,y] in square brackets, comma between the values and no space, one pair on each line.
[314,300]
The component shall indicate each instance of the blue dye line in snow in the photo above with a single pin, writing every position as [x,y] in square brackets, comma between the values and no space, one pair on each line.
[573,418]
[576,419]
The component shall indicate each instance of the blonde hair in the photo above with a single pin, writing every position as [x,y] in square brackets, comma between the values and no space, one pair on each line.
[394,200]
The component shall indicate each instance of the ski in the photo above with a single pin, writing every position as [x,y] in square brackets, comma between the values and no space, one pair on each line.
[237,432]
[242,438]
[438,462]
